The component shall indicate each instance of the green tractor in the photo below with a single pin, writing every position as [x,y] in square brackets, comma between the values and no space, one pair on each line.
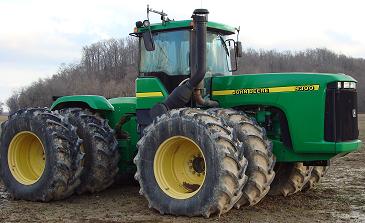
[198,139]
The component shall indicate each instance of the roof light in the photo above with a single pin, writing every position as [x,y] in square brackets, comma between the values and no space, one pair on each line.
[146,23]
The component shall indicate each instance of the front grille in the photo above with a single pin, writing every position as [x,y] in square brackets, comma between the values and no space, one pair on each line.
[340,114]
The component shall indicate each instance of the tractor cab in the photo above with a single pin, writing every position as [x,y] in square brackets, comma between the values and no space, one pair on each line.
[168,50]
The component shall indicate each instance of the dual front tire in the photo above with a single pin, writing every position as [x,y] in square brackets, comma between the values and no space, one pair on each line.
[192,162]
[188,164]
[294,177]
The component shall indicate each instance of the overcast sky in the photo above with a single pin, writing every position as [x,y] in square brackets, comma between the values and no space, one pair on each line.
[37,36]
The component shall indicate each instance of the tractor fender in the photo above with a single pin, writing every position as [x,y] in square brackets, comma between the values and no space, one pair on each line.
[94,102]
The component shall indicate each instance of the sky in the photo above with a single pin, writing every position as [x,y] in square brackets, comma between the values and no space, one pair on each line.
[37,36]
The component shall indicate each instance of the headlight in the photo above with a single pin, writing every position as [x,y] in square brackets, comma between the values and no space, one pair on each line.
[346,85]
[353,85]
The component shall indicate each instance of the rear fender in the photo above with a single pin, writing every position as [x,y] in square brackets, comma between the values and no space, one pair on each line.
[94,102]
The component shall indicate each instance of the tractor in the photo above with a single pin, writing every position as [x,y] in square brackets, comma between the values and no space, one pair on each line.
[198,139]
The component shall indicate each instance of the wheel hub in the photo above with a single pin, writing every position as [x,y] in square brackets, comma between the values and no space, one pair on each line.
[198,164]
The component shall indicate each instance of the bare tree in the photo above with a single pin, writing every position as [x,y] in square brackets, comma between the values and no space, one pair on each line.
[1,107]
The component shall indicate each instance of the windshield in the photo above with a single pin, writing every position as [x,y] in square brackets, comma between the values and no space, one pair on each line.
[171,54]
[218,62]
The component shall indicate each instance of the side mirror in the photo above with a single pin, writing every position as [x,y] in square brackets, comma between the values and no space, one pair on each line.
[238,49]
[148,41]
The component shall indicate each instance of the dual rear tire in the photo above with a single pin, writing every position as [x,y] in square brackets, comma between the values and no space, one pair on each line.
[100,148]
[43,157]
[40,156]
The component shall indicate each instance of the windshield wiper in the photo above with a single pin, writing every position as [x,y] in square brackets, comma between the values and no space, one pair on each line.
[224,45]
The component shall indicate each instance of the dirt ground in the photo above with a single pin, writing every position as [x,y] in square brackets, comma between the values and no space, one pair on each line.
[339,198]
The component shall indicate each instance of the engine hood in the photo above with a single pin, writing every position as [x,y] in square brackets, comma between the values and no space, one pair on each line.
[273,83]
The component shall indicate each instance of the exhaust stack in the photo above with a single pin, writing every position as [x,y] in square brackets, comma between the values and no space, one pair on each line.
[181,95]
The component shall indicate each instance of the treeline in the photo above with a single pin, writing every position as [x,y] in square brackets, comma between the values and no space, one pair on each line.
[1,107]
[109,68]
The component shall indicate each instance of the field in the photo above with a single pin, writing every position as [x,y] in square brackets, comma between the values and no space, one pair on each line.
[2,118]
[339,198]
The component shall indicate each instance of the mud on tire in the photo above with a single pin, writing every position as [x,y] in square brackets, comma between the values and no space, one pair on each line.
[224,168]
[100,147]
[290,178]
[317,174]
[258,151]
[23,136]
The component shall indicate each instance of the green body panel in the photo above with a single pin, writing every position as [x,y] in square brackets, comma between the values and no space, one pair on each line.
[186,24]
[127,148]
[149,85]
[95,102]
[284,154]
[304,110]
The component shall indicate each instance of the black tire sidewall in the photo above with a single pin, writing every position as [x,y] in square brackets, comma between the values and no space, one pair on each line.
[199,134]
[88,145]
[37,190]
[100,150]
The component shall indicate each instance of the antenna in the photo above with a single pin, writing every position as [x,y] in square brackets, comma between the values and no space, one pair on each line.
[163,15]
[238,31]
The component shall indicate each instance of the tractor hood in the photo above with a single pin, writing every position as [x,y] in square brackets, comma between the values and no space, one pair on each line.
[300,96]
[226,89]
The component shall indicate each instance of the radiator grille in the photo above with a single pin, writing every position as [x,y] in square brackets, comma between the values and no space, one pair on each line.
[341,114]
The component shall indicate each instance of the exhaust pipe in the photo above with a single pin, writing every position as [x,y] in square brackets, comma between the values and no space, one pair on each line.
[200,20]
[181,95]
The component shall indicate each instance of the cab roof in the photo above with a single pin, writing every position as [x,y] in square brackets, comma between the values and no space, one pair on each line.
[186,24]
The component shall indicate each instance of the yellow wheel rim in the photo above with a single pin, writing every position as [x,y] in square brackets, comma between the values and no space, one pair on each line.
[179,167]
[26,158]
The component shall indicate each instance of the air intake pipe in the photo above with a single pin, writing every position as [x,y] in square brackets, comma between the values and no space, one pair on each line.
[181,95]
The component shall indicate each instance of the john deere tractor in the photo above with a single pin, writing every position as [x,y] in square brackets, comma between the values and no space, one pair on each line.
[198,139]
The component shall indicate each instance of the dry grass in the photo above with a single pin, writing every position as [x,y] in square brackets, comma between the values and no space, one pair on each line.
[3,118]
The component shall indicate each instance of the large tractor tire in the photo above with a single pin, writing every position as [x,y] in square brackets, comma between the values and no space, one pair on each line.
[188,164]
[290,178]
[100,148]
[258,151]
[40,156]
[316,175]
